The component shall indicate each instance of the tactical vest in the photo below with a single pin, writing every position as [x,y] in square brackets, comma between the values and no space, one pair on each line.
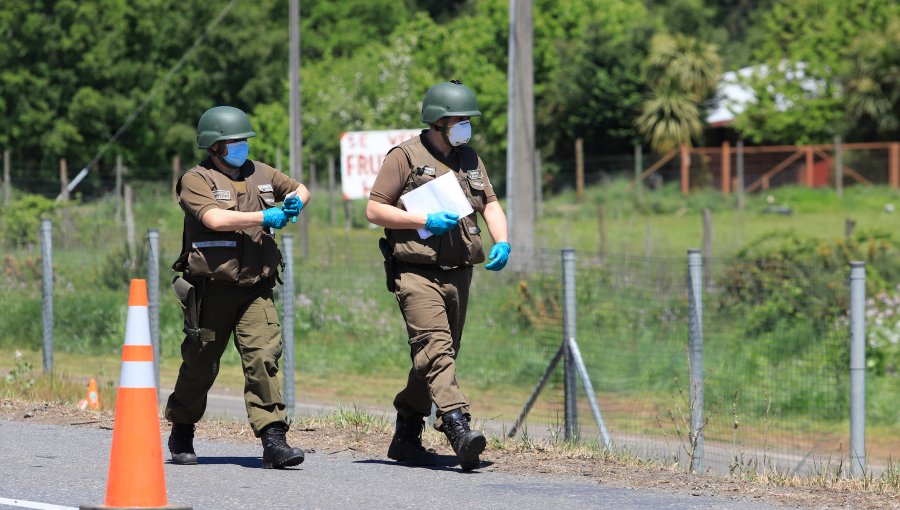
[246,257]
[461,246]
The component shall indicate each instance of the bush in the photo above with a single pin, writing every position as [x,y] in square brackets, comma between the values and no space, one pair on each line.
[20,222]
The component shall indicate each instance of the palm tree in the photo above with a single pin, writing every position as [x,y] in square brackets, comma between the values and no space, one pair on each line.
[682,72]
[670,118]
[872,80]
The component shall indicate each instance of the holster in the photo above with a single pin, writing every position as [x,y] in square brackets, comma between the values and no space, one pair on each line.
[190,295]
[388,255]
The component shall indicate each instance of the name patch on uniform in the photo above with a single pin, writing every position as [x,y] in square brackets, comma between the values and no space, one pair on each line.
[265,188]
[475,174]
[222,194]
[425,170]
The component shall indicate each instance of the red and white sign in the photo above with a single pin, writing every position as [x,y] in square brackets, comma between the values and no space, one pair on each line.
[362,153]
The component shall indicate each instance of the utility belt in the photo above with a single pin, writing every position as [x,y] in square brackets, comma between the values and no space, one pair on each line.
[190,290]
[403,266]
[393,266]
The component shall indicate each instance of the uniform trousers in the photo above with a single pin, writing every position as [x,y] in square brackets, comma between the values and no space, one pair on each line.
[433,302]
[247,313]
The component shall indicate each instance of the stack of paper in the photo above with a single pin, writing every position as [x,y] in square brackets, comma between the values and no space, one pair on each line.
[441,194]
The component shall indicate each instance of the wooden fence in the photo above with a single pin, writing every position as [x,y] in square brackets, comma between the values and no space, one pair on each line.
[757,168]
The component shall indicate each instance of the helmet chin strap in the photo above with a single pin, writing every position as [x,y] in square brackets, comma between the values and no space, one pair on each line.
[442,129]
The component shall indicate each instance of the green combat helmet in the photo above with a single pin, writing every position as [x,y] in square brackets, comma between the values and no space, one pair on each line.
[448,99]
[222,123]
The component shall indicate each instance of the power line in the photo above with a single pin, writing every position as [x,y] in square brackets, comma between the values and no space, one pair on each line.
[137,111]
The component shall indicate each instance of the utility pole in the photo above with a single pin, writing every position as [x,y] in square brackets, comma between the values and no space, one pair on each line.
[296,151]
[520,139]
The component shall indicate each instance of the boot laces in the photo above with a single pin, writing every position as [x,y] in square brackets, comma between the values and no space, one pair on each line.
[457,428]
[275,437]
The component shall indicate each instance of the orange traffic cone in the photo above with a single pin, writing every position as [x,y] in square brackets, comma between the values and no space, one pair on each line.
[92,399]
[136,476]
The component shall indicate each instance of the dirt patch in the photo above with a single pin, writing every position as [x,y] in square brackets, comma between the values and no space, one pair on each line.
[542,460]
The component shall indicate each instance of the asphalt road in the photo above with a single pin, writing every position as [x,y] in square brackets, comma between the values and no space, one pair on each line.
[718,457]
[53,467]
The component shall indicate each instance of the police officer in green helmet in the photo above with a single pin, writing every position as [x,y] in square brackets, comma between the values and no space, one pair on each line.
[430,277]
[229,263]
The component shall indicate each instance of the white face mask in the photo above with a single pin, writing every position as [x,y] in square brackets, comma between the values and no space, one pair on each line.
[459,133]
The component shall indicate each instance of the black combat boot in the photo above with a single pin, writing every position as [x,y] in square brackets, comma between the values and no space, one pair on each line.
[407,443]
[468,444]
[276,452]
[181,444]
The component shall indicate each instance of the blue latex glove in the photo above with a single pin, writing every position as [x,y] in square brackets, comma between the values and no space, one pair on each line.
[499,256]
[440,222]
[274,217]
[292,207]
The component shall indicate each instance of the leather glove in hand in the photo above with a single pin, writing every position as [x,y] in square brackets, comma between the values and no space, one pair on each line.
[440,222]
[274,217]
[292,207]
[499,256]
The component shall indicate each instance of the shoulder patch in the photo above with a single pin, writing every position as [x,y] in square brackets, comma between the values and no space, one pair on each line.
[222,194]
[265,188]
[474,174]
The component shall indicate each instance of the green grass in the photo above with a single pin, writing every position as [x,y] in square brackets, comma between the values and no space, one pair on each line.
[350,342]
[670,223]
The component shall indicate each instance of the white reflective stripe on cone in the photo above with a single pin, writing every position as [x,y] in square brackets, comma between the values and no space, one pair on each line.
[137,326]
[137,374]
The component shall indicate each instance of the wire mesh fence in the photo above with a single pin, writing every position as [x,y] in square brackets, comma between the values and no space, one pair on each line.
[776,342]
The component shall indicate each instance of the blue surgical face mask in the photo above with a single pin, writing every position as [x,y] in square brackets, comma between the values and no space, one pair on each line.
[237,153]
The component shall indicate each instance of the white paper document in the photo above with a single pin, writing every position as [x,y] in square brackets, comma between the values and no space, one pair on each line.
[441,194]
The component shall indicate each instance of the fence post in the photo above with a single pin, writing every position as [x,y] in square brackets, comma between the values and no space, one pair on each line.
[810,163]
[287,320]
[579,169]
[894,165]
[129,226]
[7,181]
[685,169]
[638,169]
[648,247]
[176,171]
[695,350]
[601,227]
[332,214]
[538,185]
[63,179]
[153,296]
[707,246]
[740,175]
[348,221]
[857,368]
[47,292]
[569,369]
[118,189]
[726,167]
[838,167]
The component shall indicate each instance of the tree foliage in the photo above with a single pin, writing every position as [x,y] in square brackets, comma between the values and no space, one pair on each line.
[681,73]
[871,79]
[72,72]
[802,46]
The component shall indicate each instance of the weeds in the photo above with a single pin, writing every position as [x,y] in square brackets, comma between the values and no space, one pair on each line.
[688,437]
[20,377]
